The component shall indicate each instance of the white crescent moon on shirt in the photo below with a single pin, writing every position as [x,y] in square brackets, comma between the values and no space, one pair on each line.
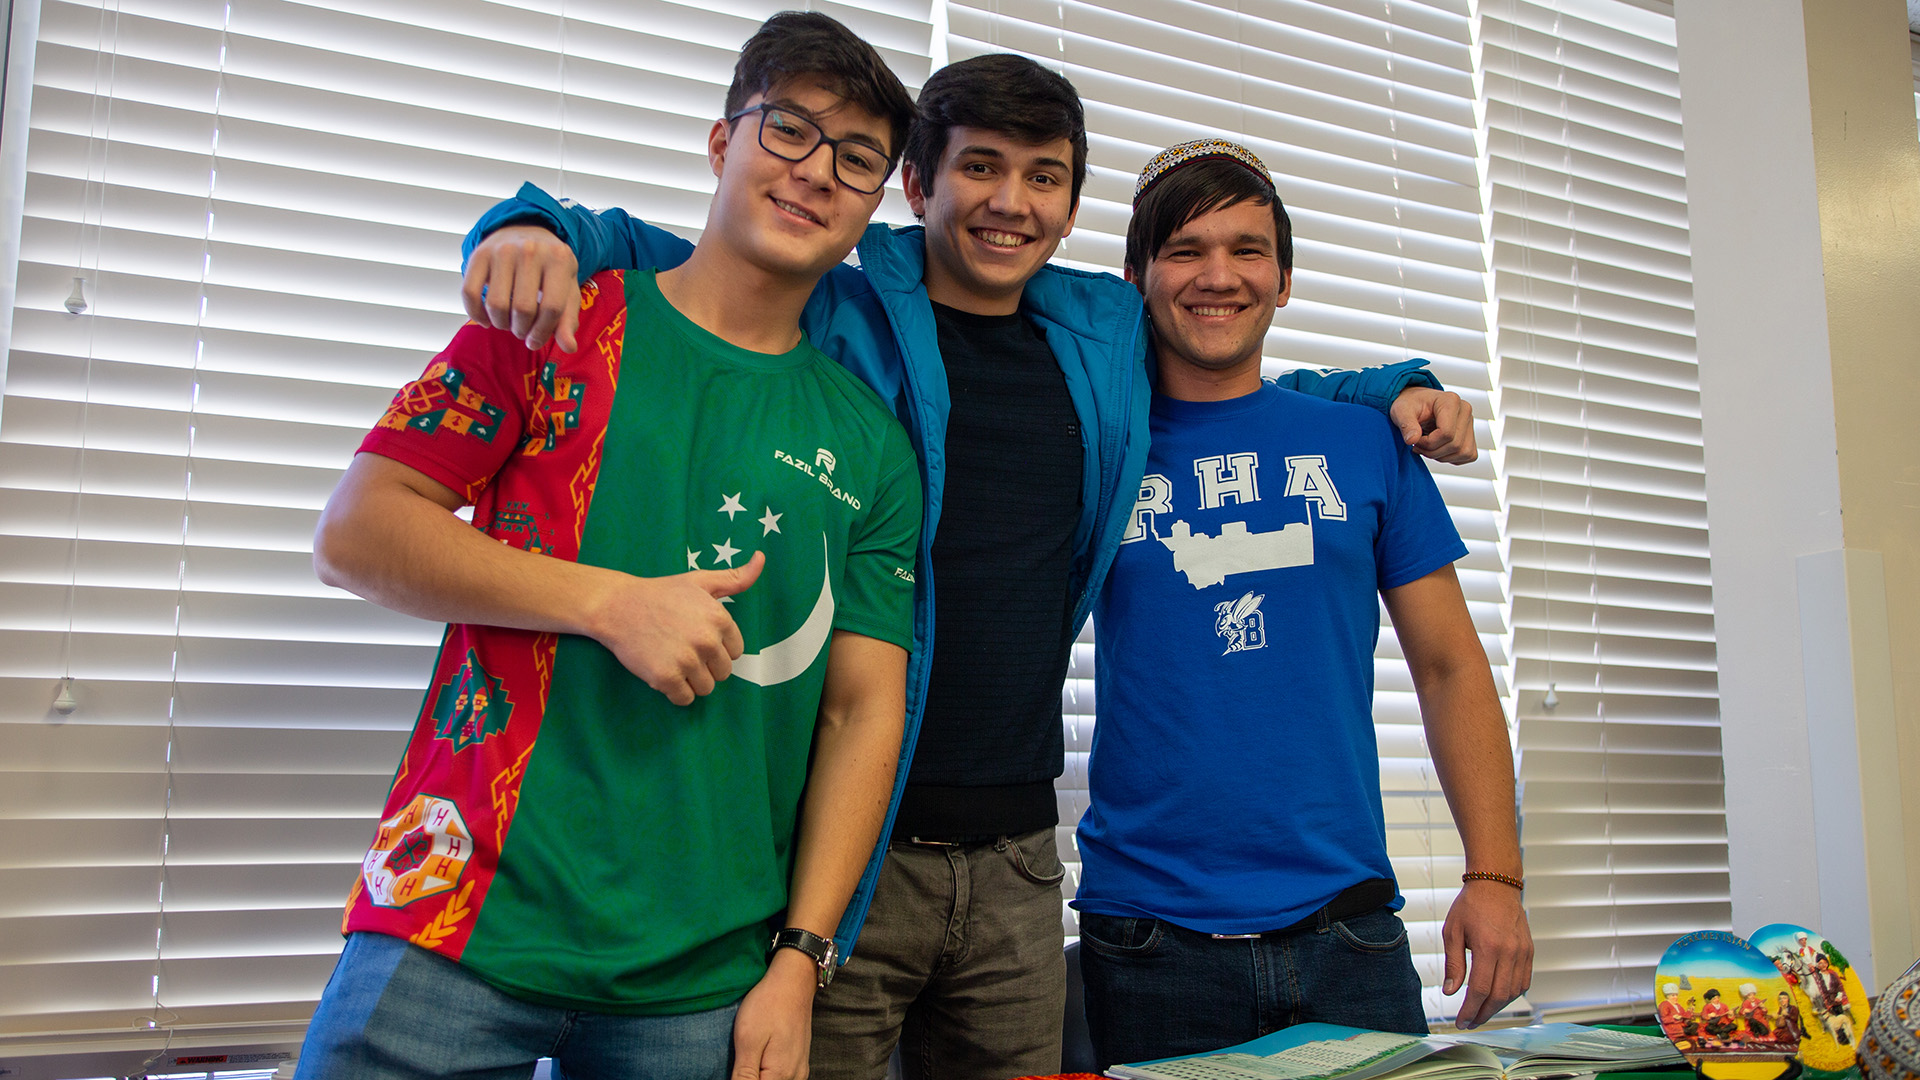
[787,659]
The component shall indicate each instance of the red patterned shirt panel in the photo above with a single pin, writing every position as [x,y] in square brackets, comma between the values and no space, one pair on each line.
[516,433]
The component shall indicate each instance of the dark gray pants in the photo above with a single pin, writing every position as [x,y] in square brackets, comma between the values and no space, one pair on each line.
[960,963]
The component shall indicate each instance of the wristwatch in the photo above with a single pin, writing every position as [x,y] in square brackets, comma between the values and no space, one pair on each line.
[825,952]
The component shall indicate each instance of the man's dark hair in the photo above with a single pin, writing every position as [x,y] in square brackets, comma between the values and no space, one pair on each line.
[1002,93]
[796,45]
[1196,188]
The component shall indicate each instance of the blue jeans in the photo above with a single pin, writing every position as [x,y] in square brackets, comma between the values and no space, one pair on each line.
[1157,990]
[394,1011]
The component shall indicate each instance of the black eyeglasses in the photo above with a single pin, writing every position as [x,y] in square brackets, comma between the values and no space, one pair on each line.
[787,135]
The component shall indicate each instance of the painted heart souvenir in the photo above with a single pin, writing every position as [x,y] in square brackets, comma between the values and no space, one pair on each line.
[1718,998]
[1824,992]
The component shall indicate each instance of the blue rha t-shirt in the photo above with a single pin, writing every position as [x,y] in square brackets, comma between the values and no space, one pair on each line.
[1235,781]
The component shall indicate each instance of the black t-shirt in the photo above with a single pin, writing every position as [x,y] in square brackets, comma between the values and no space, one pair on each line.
[990,742]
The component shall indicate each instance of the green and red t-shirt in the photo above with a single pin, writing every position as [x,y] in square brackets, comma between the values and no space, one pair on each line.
[556,825]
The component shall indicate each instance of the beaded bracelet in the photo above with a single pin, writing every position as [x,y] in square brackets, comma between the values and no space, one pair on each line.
[1488,875]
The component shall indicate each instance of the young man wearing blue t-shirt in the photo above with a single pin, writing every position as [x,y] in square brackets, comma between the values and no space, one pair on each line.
[1235,872]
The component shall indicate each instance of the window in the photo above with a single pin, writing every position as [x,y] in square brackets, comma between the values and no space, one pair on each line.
[1622,815]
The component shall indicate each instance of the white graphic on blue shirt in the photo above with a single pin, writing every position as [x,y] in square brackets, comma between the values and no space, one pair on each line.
[1208,560]
[1156,497]
[1228,476]
[1307,476]
[1241,623]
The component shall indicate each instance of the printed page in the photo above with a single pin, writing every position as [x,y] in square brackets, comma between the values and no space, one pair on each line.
[1543,1048]
[1358,1056]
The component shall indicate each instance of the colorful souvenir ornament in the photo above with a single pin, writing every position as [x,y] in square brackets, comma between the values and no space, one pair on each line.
[1826,990]
[1717,1001]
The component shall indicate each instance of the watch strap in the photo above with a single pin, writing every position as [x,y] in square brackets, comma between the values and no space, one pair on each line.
[823,951]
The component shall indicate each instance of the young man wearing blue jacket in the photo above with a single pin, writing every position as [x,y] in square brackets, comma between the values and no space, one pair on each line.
[1024,388]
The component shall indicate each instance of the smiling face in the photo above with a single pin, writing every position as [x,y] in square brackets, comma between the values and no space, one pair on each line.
[996,211]
[790,218]
[1211,291]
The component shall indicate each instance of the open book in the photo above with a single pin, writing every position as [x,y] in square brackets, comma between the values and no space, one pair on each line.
[1332,1052]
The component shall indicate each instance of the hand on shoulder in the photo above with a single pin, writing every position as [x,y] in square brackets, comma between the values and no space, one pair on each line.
[522,279]
[1437,424]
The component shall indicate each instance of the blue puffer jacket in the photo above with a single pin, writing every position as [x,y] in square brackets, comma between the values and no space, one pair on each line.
[878,322]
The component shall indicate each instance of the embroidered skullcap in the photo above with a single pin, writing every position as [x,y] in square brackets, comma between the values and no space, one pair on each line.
[1890,1050]
[1186,153]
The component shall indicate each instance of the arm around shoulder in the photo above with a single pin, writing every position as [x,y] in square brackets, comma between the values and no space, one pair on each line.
[1434,421]
[1375,387]
[526,257]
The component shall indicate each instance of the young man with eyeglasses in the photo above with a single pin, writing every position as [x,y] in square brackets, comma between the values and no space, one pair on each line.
[1024,387]
[658,744]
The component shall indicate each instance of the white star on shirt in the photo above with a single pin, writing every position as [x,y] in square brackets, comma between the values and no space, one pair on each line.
[693,560]
[724,551]
[731,506]
[770,521]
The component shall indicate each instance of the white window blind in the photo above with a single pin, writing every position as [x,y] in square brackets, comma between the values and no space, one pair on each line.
[1622,810]
[262,201]
[1365,113]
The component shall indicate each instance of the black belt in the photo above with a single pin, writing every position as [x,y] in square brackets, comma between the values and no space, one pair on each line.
[1352,900]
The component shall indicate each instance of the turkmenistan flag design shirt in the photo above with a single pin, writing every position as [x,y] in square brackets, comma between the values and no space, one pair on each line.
[556,825]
